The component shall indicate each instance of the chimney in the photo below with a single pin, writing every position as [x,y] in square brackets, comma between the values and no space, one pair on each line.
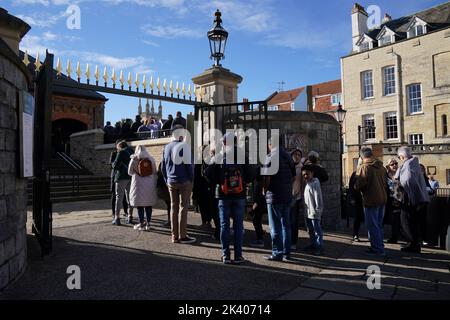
[359,23]
[246,105]
[387,18]
[12,30]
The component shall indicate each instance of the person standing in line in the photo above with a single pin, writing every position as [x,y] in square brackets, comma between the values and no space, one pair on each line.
[314,208]
[434,184]
[278,191]
[179,120]
[122,179]
[142,169]
[392,205]
[163,193]
[297,205]
[179,176]
[113,187]
[415,199]
[357,204]
[230,180]
[371,182]
[259,208]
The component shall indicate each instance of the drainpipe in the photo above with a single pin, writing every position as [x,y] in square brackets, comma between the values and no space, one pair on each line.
[400,121]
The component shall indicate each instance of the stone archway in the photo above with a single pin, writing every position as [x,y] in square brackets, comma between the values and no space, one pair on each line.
[61,131]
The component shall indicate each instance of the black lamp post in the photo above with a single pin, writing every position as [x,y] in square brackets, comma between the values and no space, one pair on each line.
[339,115]
[217,40]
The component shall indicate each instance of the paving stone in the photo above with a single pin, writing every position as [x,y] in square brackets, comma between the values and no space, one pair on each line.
[302,293]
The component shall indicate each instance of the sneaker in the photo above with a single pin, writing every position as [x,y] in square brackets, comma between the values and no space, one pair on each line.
[239,260]
[187,240]
[116,222]
[138,227]
[273,258]
[175,240]
[226,260]
[257,243]
[148,227]
[356,239]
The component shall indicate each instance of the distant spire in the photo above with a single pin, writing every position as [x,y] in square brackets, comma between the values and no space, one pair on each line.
[139,107]
[160,109]
[153,108]
[147,108]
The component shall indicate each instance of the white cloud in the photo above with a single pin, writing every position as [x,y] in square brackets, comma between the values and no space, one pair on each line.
[171,32]
[302,39]
[42,20]
[48,35]
[151,43]
[30,2]
[35,44]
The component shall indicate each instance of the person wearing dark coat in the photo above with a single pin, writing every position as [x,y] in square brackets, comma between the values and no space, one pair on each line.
[318,171]
[136,124]
[167,126]
[109,132]
[113,187]
[179,120]
[355,199]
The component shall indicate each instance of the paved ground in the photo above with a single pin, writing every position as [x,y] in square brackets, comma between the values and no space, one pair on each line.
[121,263]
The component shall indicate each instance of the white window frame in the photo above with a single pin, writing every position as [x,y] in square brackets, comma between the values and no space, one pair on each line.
[273,108]
[365,130]
[409,100]
[413,28]
[385,40]
[336,99]
[387,125]
[391,82]
[364,46]
[292,106]
[412,140]
[365,84]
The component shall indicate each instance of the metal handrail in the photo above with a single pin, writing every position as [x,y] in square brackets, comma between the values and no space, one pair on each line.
[69,160]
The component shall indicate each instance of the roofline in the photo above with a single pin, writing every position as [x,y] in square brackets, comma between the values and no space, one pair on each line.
[400,41]
[55,92]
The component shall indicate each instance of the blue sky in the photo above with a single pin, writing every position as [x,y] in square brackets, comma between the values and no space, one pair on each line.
[298,42]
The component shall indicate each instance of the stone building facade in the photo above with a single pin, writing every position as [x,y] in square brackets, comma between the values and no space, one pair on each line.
[396,86]
[14,78]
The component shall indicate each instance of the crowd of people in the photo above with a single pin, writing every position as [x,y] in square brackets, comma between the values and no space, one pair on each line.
[219,189]
[395,195]
[147,128]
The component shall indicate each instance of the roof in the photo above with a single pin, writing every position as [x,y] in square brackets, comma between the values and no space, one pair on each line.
[324,88]
[437,17]
[65,91]
[15,23]
[286,96]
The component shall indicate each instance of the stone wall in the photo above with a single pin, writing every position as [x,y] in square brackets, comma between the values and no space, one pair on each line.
[13,199]
[87,148]
[319,132]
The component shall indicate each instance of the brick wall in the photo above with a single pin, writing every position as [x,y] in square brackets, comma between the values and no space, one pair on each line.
[13,251]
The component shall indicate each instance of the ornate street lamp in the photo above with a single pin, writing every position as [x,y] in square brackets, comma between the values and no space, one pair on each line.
[339,114]
[217,40]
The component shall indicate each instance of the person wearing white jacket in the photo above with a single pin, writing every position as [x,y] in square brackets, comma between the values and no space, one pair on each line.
[143,187]
[314,208]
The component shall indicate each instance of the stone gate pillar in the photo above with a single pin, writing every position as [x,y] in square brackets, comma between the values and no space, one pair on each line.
[215,86]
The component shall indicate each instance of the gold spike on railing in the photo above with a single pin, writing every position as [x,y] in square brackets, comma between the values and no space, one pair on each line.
[121,80]
[25,60]
[88,73]
[37,63]
[144,83]
[136,82]
[129,81]
[58,68]
[97,75]
[189,91]
[78,71]
[165,87]
[69,69]
[158,85]
[105,76]
[151,83]
[171,88]
[177,89]
[114,78]
[183,89]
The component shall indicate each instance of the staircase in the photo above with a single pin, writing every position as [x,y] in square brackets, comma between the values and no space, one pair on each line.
[69,182]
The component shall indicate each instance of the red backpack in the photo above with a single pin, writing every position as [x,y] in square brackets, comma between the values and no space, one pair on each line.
[145,168]
[233,181]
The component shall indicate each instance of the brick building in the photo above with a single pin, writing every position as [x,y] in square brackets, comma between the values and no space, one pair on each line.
[396,88]
[322,97]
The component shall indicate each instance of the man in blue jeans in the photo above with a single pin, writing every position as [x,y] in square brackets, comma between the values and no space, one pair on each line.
[372,183]
[230,179]
[278,191]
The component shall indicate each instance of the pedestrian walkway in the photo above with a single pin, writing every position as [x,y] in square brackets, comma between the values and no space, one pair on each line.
[122,263]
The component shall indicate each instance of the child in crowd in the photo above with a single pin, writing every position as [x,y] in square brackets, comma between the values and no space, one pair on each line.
[314,208]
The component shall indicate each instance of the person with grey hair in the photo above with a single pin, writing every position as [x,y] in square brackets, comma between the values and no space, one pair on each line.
[371,182]
[414,205]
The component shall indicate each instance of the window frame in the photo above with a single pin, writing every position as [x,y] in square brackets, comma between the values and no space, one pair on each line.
[366,132]
[390,81]
[410,142]
[409,99]
[274,107]
[387,115]
[363,85]
[444,125]
[339,100]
